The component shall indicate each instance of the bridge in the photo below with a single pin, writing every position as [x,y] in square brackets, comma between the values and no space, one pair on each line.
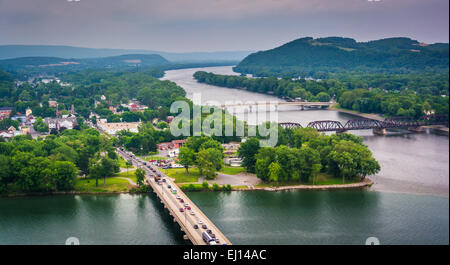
[185,219]
[250,106]
[378,126]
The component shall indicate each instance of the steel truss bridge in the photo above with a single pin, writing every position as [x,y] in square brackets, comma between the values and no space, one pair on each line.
[365,124]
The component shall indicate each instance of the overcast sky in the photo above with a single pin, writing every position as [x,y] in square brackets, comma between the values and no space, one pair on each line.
[216,25]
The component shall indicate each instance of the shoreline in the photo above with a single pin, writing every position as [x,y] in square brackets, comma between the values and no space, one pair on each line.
[363,184]
[366,183]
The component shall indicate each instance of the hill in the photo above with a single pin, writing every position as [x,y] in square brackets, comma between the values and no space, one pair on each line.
[63,64]
[15,51]
[309,57]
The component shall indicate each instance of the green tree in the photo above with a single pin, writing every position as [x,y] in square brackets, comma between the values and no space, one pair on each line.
[140,176]
[40,126]
[247,152]
[186,158]
[274,171]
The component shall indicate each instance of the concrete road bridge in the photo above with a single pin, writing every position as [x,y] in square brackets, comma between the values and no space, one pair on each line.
[185,219]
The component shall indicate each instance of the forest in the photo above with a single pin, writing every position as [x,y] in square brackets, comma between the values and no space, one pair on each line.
[53,163]
[391,95]
[302,153]
[306,57]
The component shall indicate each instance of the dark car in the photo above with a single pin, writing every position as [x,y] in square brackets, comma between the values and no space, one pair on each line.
[209,231]
[181,200]
[181,210]
[195,226]
[169,186]
[213,235]
[204,226]
[189,207]
[164,180]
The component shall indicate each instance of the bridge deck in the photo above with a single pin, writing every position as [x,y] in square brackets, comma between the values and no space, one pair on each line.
[278,103]
[184,219]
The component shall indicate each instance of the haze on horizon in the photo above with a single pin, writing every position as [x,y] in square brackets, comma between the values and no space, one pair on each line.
[216,25]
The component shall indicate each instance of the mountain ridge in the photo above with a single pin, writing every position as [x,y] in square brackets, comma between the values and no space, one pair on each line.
[307,55]
[66,51]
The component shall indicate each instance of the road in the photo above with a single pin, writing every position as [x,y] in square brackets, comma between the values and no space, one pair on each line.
[185,219]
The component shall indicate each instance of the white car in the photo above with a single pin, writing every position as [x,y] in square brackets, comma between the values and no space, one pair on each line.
[200,222]
[178,197]
[186,205]
[192,212]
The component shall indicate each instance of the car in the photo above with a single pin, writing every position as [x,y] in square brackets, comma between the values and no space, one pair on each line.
[188,207]
[169,187]
[195,226]
[217,241]
[164,180]
[191,212]
[181,210]
[209,231]
[204,227]
[200,221]
[159,183]
[178,197]
[181,200]
[213,235]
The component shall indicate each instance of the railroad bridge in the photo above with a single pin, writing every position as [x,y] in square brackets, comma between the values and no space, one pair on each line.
[379,127]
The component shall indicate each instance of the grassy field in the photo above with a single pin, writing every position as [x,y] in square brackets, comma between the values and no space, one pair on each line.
[112,185]
[130,174]
[321,179]
[232,170]
[123,163]
[180,176]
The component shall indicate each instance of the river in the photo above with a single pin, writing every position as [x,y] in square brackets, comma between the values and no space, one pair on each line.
[408,204]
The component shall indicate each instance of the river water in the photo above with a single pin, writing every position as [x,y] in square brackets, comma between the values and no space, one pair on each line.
[408,203]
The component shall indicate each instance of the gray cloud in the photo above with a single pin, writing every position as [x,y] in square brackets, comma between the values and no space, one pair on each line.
[208,25]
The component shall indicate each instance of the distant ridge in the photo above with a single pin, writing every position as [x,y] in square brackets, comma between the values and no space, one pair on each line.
[306,56]
[45,63]
[15,51]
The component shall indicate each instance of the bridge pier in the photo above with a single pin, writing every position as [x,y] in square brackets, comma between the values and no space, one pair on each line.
[378,131]
[419,129]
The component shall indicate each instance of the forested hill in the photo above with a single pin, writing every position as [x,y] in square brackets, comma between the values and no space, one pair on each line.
[54,65]
[316,57]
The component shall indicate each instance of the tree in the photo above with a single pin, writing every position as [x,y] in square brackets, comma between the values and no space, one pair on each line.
[274,171]
[40,126]
[247,152]
[5,172]
[309,159]
[186,158]
[205,163]
[140,176]
[102,168]
[351,160]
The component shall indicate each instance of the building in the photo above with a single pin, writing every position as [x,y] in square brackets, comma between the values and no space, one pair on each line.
[10,133]
[5,112]
[175,144]
[52,104]
[58,123]
[20,118]
[114,127]
[231,148]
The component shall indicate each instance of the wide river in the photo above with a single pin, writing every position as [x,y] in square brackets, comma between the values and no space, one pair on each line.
[408,203]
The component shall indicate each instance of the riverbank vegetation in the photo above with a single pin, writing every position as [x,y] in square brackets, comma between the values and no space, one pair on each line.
[54,163]
[305,156]
[411,95]
[206,187]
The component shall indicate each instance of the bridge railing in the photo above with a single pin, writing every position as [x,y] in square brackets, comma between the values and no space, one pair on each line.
[364,124]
